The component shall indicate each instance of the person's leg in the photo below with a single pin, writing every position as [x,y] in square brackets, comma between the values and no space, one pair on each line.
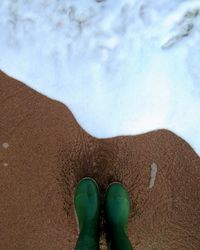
[87,206]
[117,209]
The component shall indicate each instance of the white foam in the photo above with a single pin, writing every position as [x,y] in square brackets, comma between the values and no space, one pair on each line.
[5,145]
[124,67]
[154,169]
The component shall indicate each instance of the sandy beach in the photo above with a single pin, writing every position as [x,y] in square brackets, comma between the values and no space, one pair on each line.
[44,153]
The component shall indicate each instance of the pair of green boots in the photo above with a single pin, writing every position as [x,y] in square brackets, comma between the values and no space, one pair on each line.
[117,209]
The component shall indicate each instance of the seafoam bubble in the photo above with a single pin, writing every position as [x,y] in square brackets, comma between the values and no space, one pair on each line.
[154,169]
[5,145]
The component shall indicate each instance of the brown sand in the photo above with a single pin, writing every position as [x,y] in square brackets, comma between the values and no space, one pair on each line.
[44,153]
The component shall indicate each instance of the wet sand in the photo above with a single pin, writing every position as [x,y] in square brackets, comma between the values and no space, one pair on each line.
[44,153]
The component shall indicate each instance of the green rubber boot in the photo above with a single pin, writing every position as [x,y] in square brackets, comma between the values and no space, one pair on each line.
[87,206]
[117,209]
